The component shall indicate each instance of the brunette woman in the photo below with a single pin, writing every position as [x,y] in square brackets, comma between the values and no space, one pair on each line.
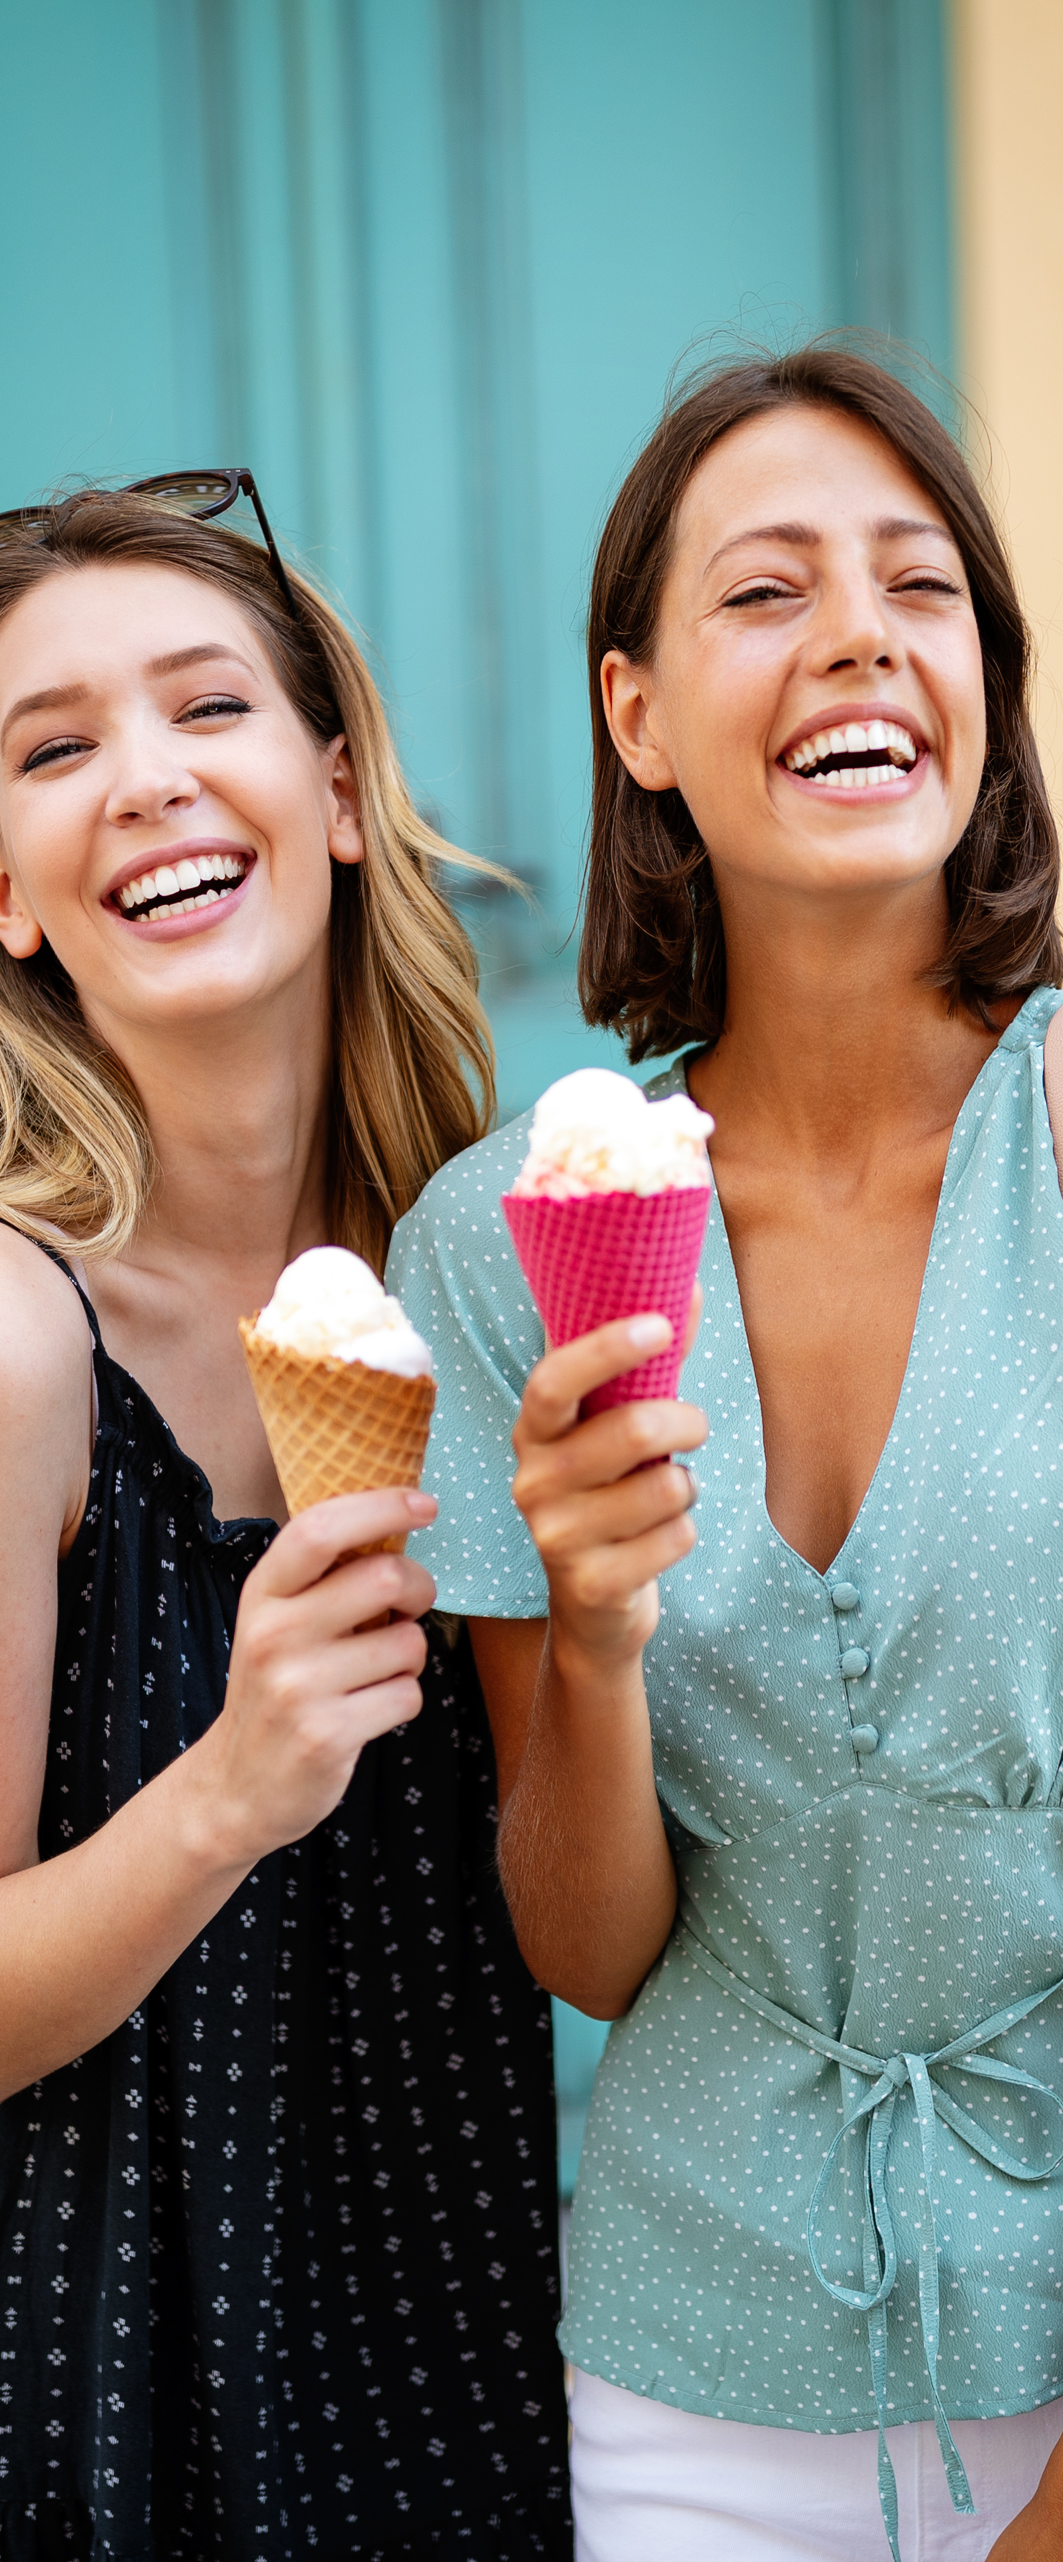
[783,1774]
[276,2150]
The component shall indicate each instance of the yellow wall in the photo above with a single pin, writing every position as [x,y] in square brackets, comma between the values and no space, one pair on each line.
[1008,61]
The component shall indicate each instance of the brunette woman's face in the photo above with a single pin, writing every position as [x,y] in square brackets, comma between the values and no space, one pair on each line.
[816,692]
[166,818]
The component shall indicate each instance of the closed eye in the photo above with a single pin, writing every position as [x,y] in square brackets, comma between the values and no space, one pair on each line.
[215,707]
[928,583]
[211,707]
[55,751]
[767,592]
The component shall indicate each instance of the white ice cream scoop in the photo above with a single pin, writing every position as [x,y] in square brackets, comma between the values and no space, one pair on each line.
[595,1131]
[329,1305]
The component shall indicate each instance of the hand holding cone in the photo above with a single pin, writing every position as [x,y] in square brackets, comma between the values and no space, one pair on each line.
[337,1423]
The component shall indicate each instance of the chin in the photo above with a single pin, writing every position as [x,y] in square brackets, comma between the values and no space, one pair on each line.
[869,865]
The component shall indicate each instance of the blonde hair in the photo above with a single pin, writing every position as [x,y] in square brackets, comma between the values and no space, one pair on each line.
[412,1060]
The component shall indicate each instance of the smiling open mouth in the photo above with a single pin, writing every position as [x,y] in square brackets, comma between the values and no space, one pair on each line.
[174,889]
[861,754]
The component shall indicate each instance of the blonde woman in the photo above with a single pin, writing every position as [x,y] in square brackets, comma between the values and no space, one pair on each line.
[276,2147]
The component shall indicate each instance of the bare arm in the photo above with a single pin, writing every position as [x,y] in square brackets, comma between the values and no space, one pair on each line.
[1036,2535]
[85,1936]
[584,1857]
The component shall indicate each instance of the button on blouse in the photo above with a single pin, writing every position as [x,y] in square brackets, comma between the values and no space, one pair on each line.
[860,1775]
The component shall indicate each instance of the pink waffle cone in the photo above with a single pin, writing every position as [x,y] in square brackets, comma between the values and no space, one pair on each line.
[612,1254]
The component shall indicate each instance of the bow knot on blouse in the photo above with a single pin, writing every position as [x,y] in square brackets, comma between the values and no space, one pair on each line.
[889,2076]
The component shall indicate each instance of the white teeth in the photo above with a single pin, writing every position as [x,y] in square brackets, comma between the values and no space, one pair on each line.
[182,906]
[862,778]
[176,906]
[189,873]
[858,738]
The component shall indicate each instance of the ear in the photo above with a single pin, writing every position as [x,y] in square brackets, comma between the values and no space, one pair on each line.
[631,709]
[20,933]
[345,841]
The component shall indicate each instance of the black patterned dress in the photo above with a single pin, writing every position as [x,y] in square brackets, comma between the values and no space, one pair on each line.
[277,2259]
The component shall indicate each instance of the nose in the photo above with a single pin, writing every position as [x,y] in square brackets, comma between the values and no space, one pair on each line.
[150,778]
[854,631]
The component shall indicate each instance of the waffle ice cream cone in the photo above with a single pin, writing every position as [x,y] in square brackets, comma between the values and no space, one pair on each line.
[614,1254]
[608,1216]
[344,1386]
[337,1427]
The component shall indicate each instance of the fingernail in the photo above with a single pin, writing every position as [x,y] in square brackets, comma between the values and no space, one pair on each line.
[421,1507]
[692,1482]
[649,1334]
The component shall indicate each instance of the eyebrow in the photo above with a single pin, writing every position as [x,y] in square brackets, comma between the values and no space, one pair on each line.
[175,659]
[55,698]
[886,529]
[52,698]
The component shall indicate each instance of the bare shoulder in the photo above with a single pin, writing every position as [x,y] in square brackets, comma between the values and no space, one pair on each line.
[45,1343]
[1054,1084]
[46,1442]
[45,1386]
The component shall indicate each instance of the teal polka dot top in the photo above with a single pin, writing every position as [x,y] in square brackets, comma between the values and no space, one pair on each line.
[822,2183]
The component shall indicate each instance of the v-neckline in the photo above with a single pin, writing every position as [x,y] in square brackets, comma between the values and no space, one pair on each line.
[1007,1041]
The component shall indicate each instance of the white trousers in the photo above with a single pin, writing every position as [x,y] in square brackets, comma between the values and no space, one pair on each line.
[653,2484]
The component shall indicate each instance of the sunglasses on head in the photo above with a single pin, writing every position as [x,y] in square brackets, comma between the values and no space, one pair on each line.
[200,493]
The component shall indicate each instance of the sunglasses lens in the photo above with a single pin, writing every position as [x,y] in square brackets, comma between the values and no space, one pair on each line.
[200,489]
[194,495]
[14,528]
[206,494]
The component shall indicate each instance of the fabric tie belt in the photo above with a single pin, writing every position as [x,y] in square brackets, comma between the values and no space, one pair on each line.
[889,2076]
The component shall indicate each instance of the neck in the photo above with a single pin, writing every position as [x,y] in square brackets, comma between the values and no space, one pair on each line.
[238,1121]
[832,1035]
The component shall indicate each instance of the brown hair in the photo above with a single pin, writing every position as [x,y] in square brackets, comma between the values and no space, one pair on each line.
[652,961]
[408,1030]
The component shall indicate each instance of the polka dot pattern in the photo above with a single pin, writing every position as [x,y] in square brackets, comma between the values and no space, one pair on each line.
[861,1775]
[278,2259]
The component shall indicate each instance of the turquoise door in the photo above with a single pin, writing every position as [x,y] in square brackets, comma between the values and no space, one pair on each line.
[428,266]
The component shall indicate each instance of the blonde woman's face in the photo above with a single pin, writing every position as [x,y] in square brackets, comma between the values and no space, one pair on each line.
[166,819]
[817,691]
